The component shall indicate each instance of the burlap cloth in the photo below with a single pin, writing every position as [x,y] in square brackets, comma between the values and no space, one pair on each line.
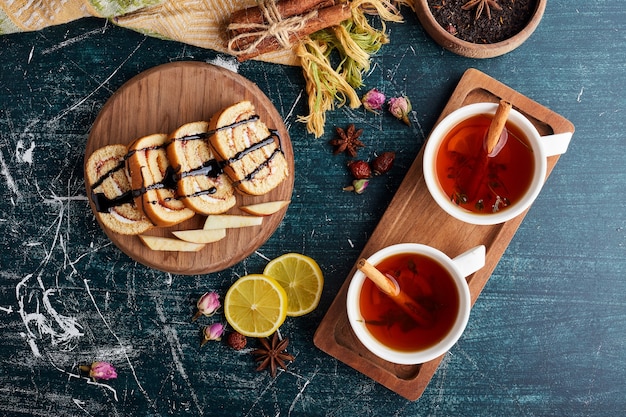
[196,22]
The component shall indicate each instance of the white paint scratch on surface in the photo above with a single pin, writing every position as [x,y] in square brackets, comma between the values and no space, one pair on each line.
[79,404]
[63,330]
[177,352]
[24,155]
[293,106]
[229,63]
[259,254]
[299,394]
[119,342]
[30,55]
[58,237]
[7,310]
[261,395]
[4,170]
[71,41]
[580,94]
[102,84]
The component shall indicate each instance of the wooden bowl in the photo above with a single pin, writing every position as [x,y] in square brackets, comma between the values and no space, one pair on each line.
[475,50]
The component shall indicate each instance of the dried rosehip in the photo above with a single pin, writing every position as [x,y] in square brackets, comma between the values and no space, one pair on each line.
[383,162]
[360,169]
[237,341]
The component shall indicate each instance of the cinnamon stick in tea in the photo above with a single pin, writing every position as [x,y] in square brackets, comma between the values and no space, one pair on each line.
[497,125]
[492,138]
[411,307]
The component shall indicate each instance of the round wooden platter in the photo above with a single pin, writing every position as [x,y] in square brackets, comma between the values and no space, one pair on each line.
[158,101]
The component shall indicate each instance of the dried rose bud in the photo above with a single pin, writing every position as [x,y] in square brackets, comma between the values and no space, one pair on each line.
[212,332]
[383,162]
[100,370]
[373,100]
[400,107]
[360,169]
[358,186]
[237,341]
[207,305]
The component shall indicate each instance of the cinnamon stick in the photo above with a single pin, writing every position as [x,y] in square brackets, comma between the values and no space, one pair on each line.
[497,125]
[418,313]
[326,17]
[286,8]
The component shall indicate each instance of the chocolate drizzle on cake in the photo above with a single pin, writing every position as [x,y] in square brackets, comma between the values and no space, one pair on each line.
[108,174]
[101,201]
[212,168]
[104,204]
[274,134]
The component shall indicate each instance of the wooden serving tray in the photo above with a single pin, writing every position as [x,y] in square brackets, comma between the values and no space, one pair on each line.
[413,216]
[160,100]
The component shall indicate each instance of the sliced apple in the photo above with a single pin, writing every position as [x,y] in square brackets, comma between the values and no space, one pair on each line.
[201,235]
[231,221]
[265,209]
[170,244]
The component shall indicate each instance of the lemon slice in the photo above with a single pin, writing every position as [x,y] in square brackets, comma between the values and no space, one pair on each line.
[302,279]
[255,305]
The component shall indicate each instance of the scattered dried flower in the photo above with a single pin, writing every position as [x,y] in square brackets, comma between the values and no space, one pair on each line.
[360,169]
[207,305]
[373,100]
[237,341]
[212,332]
[383,163]
[400,107]
[100,370]
[358,186]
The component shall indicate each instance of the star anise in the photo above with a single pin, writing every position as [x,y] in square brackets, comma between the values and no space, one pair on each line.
[348,140]
[480,5]
[272,354]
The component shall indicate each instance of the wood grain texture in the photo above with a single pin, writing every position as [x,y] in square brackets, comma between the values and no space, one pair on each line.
[160,100]
[433,227]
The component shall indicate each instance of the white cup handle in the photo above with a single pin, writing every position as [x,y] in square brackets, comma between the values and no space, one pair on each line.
[470,261]
[555,144]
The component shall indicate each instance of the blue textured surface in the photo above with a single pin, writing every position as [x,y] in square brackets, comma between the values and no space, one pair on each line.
[546,337]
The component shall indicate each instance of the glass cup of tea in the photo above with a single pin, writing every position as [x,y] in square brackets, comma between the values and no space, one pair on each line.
[480,189]
[430,279]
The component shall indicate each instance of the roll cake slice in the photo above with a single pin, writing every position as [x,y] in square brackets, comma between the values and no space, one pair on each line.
[106,176]
[200,181]
[153,183]
[250,152]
